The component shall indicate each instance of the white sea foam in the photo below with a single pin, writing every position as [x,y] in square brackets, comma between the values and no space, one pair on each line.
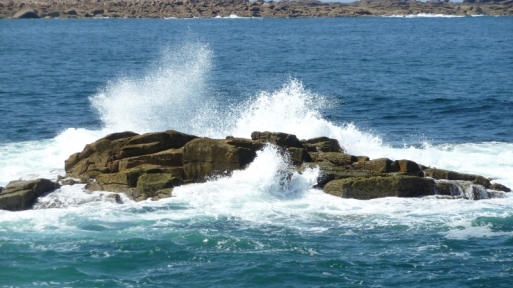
[264,194]
[166,96]
[425,15]
[44,158]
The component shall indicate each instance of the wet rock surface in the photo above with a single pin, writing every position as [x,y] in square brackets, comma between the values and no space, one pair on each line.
[151,165]
[20,195]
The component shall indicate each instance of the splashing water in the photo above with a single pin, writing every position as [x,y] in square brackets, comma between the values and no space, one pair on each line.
[167,96]
[173,94]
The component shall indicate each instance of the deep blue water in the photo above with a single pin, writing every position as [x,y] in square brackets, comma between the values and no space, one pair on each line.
[435,90]
[448,80]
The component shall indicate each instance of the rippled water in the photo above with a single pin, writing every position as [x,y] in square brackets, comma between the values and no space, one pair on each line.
[434,90]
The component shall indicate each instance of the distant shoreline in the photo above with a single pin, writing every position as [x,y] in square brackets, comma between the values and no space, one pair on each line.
[240,8]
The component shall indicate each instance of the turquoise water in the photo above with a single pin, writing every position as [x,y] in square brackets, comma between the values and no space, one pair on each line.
[434,90]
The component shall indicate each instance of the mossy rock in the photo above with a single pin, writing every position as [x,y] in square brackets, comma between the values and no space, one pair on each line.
[166,158]
[20,195]
[205,157]
[452,175]
[322,144]
[377,187]
[380,165]
[298,155]
[283,140]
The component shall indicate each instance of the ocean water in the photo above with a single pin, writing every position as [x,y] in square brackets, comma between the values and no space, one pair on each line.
[435,90]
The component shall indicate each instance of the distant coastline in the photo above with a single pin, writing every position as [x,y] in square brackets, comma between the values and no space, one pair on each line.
[243,8]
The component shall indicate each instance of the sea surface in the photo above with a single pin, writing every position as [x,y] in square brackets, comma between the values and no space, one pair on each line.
[436,90]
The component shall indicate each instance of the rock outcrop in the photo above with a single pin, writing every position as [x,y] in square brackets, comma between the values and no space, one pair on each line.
[366,188]
[149,166]
[244,8]
[20,195]
[25,13]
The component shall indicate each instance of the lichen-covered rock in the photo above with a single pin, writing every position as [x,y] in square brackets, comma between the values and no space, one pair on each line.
[336,158]
[322,144]
[143,181]
[447,188]
[362,158]
[151,165]
[277,138]
[407,166]
[452,175]
[298,156]
[329,172]
[380,165]
[166,158]
[205,157]
[109,154]
[20,195]
[377,187]
[96,158]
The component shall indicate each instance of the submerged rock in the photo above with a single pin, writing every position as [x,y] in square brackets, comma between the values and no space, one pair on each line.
[499,187]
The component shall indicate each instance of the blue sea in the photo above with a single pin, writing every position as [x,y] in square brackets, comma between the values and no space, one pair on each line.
[436,90]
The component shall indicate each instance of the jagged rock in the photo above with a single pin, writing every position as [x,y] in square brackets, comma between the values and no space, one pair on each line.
[500,187]
[286,9]
[105,155]
[298,156]
[465,189]
[20,195]
[163,193]
[336,159]
[447,188]
[407,166]
[362,158]
[25,13]
[380,165]
[169,158]
[452,175]
[151,165]
[120,135]
[114,198]
[68,182]
[150,183]
[277,138]
[155,142]
[322,144]
[206,157]
[329,172]
[376,187]
[137,178]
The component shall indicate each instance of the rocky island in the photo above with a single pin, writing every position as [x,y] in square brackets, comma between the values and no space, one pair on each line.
[150,165]
[244,8]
